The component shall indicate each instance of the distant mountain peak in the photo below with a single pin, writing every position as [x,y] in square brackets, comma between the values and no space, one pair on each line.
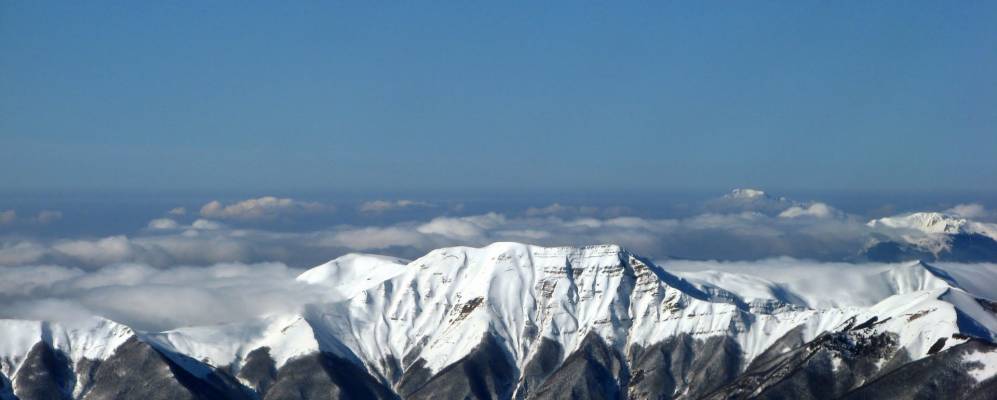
[746,194]
[927,222]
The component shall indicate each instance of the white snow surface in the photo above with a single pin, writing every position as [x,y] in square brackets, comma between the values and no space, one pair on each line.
[987,365]
[829,285]
[90,338]
[351,274]
[930,230]
[440,306]
[746,193]
[286,336]
[444,302]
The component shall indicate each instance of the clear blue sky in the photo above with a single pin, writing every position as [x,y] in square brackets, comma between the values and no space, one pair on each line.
[309,96]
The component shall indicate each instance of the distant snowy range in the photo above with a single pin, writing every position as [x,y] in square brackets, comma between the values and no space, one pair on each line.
[746,295]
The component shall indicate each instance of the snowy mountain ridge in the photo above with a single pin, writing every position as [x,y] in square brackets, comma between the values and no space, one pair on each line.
[934,234]
[404,327]
[936,223]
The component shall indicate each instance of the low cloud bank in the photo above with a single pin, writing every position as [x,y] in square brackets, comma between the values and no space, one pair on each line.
[154,299]
[167,242]
[194,268]
[743,225]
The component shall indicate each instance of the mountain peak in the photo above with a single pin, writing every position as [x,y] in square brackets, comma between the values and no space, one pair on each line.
[917,276]
[927,222]
[746,194]
[352,273]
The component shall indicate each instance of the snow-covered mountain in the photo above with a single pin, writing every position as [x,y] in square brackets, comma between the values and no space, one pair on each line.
[517,321]
[933,236]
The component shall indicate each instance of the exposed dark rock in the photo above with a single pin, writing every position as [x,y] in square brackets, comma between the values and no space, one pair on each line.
[259,370]
[86,372]
[683,367]
[6,390]
[940,376]
[545,360]
[487,372]
[323,376]
[937,346]
[45,374]
[414,378]
[138,371]
[594,371]
[824,368]
[963,247]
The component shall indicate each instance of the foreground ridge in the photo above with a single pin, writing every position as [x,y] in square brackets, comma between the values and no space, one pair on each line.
[511,320]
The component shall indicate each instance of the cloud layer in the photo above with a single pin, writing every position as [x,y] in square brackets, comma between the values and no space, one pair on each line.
[267,207]
[154,299]
[192,268]
[743,225]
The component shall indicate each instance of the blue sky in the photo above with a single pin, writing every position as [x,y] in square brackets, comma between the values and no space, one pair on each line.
[237,96]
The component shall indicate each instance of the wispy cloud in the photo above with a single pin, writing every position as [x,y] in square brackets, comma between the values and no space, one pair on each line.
[10,217]
[267,207]
[559,209]
[7,217]
[381,206]
[971,210]
[815,210]
[178,211]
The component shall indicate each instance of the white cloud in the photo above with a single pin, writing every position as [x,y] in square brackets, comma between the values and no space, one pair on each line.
[48,216]
[178,211]
[21,252]
[972,210]
[100,252]
[154,299]
[267,207]
[724,236]
[174,274]
[7,216]
[462,227]
[815,210]
[380,206]
[811,230]
[163,224]
[374,238]
[204,224]
[43,217]
[559,209]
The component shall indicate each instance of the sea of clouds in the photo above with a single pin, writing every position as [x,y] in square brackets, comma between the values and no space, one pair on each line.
[224,262]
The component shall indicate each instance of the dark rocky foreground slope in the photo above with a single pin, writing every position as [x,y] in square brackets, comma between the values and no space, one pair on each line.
[828,367]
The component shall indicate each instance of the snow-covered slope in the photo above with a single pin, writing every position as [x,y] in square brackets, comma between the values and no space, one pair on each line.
[940,235]
[81,341]
[351,274]
[935,223]
[87,338]
[445,302]
[824,285]
[286,336]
